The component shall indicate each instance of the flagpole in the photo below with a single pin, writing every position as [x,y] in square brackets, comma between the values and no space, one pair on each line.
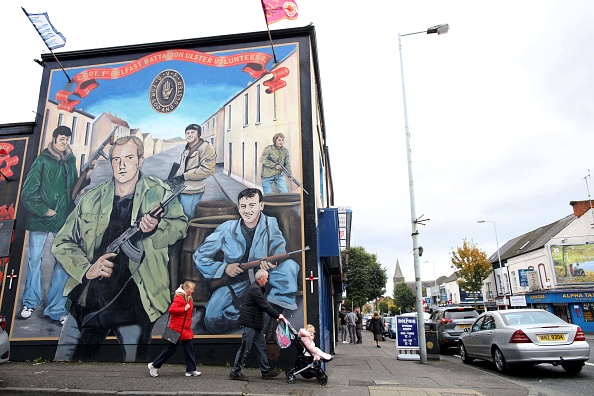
[61,67]
[268,28]
[55,32]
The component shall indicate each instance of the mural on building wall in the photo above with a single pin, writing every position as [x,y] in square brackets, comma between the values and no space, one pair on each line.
[12,158]
[106,247]
[573,263]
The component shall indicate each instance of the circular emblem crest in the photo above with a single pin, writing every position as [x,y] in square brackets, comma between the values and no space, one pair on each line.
[166,91]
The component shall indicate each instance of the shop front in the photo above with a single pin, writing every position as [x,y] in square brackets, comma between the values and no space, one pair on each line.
[573,306]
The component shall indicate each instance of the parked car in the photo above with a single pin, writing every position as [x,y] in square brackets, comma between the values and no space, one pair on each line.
[365,320]
[524,336]
[4,343]
[392,330]
[386,321]
[451,322]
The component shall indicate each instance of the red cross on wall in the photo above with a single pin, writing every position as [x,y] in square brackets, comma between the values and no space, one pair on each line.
[12,275]
[311,279]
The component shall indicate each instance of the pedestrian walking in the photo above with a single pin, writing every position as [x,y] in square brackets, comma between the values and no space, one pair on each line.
[377,328]
[251,318]
[180,320]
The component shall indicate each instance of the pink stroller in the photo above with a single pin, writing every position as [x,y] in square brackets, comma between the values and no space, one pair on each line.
[305,365]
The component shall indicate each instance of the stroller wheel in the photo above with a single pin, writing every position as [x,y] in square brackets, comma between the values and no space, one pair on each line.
[289,372]
[292,379]
[323,380]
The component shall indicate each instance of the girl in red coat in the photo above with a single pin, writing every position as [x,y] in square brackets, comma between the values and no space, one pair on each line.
[180,320]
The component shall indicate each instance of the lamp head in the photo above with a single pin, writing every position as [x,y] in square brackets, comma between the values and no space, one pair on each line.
[439,29]
[480,221]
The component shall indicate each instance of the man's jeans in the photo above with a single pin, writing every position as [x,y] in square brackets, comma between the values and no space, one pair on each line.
[251,337]
[56,302]
[279,180]
[343,332]
[189,202]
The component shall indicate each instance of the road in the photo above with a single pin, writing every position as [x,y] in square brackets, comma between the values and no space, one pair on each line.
[546,379]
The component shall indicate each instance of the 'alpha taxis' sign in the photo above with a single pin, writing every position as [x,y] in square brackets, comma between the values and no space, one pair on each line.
[559,297]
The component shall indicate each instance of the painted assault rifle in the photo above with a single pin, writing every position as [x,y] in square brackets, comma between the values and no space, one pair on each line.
[286,172]
[122,243]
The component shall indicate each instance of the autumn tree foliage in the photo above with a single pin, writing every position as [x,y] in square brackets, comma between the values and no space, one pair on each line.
[471,266]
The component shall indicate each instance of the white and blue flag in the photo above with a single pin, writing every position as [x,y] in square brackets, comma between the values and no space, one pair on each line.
[52,38]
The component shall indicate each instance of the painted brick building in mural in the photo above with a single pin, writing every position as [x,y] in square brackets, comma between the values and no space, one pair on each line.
[244,99]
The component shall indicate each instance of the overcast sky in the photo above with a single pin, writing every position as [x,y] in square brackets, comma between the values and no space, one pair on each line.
[500,109]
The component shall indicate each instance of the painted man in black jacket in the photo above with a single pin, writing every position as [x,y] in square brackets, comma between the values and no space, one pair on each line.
[251,318]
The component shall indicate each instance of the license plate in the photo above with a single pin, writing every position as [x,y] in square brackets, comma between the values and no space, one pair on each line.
[463,326]
[551,337]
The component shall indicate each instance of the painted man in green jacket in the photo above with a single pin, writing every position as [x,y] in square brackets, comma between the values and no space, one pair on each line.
[47,199]
[273,156]
[109,291]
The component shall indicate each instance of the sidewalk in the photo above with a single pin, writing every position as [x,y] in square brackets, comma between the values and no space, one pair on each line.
[356,370]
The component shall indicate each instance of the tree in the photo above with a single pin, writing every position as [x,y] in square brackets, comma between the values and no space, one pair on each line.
[471,267]
[364,276]
[404,297]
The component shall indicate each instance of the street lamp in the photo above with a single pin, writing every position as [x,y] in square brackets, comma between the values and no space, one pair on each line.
[439,29]
[498,256]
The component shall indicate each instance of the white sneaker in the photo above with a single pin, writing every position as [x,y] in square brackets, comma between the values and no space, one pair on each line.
[152,370]
[193,374]
[26,312]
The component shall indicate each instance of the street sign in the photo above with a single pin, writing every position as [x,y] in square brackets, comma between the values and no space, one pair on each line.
[407,334]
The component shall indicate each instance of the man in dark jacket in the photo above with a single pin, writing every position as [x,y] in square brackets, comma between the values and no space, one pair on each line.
[251,318]
[47,198]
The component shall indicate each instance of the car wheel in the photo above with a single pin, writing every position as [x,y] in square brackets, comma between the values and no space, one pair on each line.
[499,360]
[573,367]
[464,355]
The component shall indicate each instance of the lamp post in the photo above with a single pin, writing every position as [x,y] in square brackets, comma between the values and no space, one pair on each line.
[439,29]
[498,256]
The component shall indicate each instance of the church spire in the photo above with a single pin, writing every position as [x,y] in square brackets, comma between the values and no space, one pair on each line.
[398,274]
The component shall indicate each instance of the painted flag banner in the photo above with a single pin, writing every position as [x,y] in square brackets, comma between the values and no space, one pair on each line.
[276,10]
[52,38]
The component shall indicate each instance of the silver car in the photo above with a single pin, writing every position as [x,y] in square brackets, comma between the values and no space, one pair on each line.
[4,343]
[524,336]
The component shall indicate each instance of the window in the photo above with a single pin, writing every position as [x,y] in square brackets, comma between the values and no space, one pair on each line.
[47,114]
[514,279]
[245,110]
[83,158]
[213,123]
[87,133]
[229,117]
[255,161]
[242,160]
[74,121]
[274,106]
[60,119]
[477,325]
[489,290]
[488,323]
[258,120]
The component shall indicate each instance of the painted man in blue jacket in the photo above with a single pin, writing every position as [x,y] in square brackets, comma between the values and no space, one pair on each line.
[252,237]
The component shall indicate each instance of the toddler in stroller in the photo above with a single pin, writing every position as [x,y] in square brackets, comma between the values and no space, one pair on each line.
[309,357]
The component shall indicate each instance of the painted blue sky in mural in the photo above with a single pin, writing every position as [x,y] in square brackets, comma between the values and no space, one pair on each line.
[207,88]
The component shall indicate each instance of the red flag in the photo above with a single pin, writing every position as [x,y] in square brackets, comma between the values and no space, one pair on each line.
[276,10]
